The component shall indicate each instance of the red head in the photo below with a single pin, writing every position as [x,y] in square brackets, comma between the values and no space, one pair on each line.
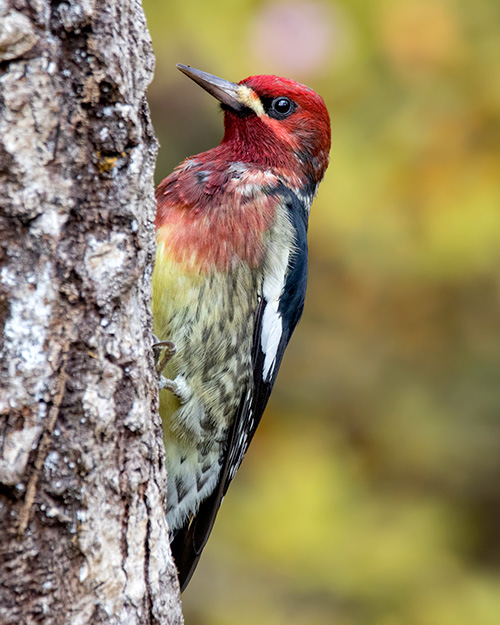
[272,121]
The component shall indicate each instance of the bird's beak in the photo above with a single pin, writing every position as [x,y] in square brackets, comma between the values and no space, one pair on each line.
[229,93]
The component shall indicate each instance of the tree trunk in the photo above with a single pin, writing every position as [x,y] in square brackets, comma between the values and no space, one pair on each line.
[82,479]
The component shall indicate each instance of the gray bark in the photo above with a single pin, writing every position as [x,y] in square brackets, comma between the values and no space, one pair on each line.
[82,479]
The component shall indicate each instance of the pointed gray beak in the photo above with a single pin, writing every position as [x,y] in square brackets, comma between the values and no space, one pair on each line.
[228,93]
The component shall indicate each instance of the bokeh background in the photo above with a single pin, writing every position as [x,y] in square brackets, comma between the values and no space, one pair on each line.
[371,493]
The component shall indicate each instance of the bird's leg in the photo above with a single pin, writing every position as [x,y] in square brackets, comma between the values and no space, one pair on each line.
[179,387]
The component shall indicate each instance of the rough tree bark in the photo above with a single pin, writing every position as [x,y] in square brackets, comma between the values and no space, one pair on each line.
[82,481]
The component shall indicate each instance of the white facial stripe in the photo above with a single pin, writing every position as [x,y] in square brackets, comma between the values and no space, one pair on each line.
[249,98]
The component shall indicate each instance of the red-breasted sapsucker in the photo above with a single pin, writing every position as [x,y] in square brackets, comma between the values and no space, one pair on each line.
[229,286]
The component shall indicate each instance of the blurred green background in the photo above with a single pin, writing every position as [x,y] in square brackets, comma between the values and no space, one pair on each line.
[371,493]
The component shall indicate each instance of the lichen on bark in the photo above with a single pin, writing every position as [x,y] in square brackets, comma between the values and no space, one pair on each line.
[82,480]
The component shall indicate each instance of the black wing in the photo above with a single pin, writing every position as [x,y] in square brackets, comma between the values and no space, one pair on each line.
[189,541]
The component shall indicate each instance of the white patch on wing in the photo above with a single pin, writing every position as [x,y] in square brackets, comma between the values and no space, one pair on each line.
[272,325]
[272,329]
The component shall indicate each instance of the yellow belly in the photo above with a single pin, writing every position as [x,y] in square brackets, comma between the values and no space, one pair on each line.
[210,319]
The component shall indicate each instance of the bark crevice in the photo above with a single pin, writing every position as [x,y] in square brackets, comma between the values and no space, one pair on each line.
[82,478]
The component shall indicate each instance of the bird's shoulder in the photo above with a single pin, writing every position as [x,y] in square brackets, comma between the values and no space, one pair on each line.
[217,213]
[199,181]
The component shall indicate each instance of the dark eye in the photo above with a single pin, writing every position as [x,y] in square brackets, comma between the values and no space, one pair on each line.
[280,108]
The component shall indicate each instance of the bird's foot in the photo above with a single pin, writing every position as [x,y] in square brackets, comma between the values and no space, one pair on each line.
[169,350]
[179,387]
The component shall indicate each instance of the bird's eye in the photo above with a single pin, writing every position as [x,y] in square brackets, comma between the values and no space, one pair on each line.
[282,105]
[280,108]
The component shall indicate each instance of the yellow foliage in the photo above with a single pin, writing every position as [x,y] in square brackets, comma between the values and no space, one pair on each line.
[370,495]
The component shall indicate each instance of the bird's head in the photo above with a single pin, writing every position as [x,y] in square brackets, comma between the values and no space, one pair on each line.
[272,121]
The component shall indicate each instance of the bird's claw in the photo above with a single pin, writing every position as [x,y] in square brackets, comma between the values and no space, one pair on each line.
[179,387]
[169,350]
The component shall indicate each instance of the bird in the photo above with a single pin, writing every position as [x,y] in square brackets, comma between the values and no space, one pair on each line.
[229,285]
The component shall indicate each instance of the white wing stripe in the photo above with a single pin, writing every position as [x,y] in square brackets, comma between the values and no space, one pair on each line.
[272,289]
[272,329]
